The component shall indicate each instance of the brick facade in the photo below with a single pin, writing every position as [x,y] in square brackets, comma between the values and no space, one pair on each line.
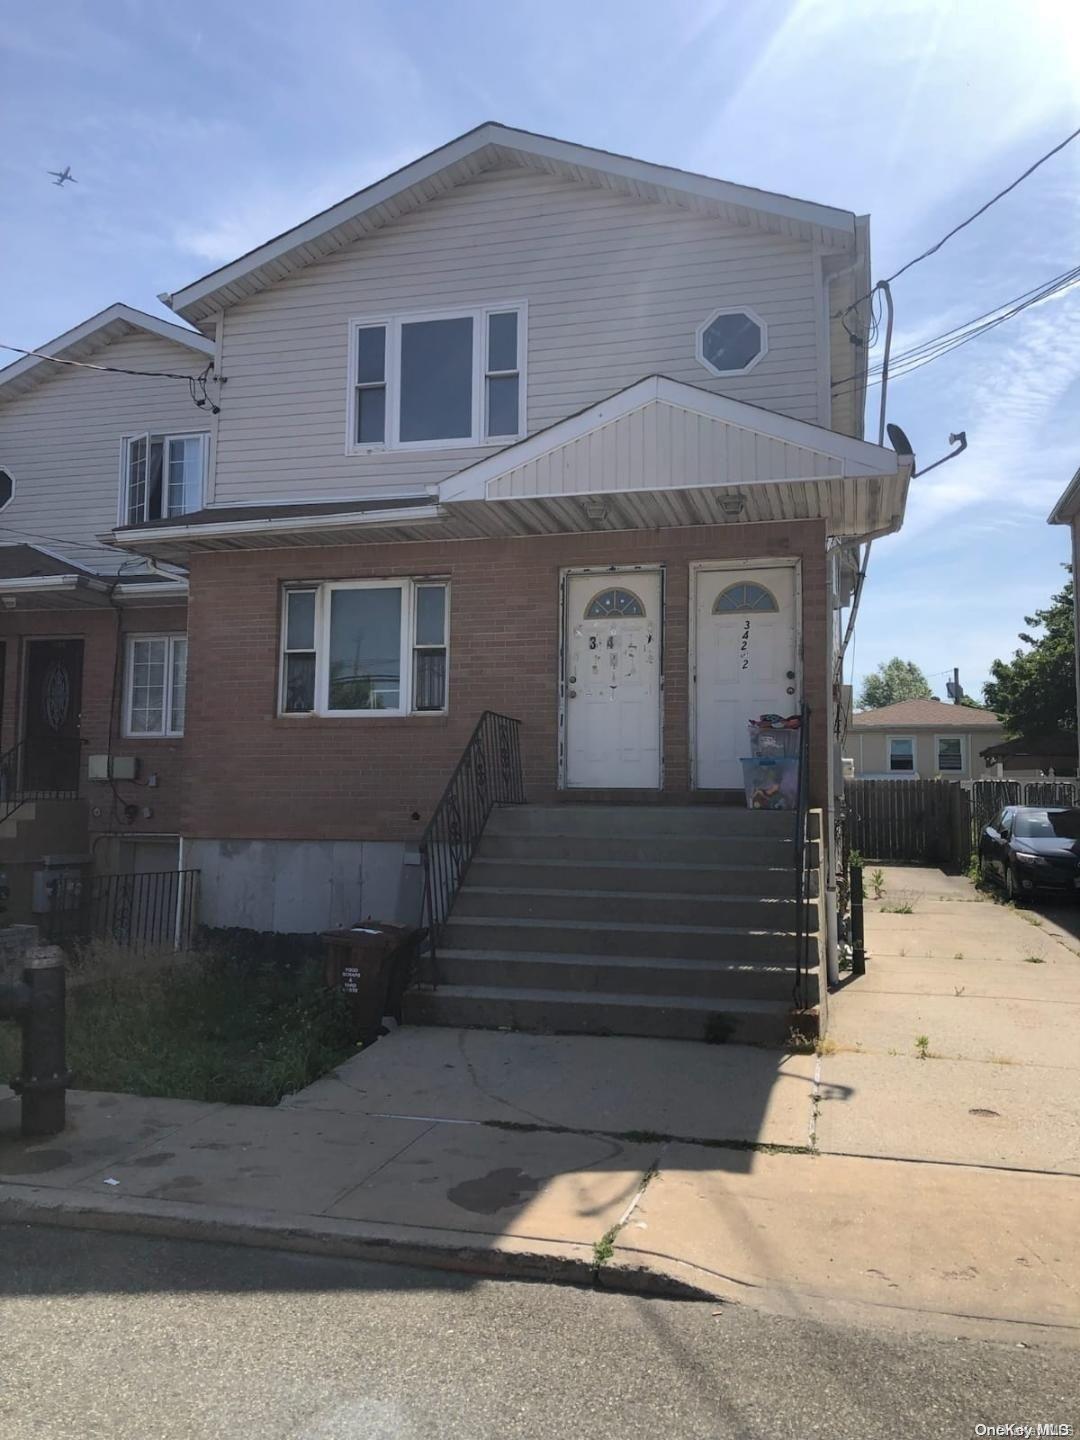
[99,629]
[250,773]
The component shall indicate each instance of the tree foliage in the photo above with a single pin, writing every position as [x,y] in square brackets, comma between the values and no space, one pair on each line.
[1034,693]
[894,680]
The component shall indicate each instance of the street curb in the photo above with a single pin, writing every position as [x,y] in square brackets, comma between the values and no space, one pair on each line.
[504,1257]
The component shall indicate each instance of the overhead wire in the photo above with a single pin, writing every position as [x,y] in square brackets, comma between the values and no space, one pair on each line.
[197,384]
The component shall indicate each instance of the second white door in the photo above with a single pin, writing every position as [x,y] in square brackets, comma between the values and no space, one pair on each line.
[746,664]
[612,680]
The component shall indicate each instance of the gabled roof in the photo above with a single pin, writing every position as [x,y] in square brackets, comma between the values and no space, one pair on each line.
[1069,504]
[487,147]
[926,715]
[91,336]
[1062,743]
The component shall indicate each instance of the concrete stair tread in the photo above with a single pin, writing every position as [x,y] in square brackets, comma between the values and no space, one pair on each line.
[627,962]
[606,926]
[676,866]
[677,895]
[575,998]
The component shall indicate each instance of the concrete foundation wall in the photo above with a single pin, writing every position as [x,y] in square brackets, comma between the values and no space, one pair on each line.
[303,886]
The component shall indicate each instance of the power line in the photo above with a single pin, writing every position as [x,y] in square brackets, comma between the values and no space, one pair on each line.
[964,223]
[927,351]
[112,369]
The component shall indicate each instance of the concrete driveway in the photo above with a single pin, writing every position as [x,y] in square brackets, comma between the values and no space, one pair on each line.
[960,1042]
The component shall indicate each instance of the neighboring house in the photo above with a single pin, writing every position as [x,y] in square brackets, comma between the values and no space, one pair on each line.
[922,739]
[85,630]
[1036,757]
[526,427]
[1067,512]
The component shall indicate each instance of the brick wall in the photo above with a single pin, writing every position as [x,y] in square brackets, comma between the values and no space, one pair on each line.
[253,774]
[98,631]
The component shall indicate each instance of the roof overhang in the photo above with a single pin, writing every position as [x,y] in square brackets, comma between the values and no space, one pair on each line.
[1068,507]
[664,453]
[85,340]
[86,592]
[487,147]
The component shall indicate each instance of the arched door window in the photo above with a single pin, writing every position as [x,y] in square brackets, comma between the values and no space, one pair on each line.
[744,597]
[613,602]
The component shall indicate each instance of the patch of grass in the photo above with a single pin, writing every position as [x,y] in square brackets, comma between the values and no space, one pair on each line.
[877,883]
[604,1248]
[1031,919]
[959,955]
[922,1047]
[209,1026]
[1034,960]
[825,1045]
[901,907]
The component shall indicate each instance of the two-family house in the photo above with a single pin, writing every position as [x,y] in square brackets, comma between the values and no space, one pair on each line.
[531,428]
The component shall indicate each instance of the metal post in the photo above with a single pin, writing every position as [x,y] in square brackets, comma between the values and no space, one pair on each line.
[45,1077]
[858,946]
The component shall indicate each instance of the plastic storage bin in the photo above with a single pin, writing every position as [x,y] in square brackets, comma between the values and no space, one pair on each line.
[771,784]
[774,738]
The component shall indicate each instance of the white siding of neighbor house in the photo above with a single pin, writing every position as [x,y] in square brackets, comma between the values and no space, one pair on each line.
[61,443]
[869,750]
[615,289]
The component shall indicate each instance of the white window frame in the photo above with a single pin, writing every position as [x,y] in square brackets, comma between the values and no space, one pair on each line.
[167,732]
[7,470]
[961,769]
[409,586]
[699,338]
[914,755]
[164,436]
[478,435]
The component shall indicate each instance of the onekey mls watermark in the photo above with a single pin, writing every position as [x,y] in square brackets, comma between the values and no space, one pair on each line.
[1025,1432]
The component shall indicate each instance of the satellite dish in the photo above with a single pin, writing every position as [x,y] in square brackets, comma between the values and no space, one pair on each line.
[899,441]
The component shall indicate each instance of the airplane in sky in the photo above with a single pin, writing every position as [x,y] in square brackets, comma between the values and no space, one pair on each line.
[62,175]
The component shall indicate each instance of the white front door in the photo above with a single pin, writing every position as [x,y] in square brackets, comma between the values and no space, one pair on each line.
[612,679]
[746,664]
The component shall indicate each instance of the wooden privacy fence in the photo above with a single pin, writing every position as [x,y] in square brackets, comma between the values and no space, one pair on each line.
[915,820]
[937,822]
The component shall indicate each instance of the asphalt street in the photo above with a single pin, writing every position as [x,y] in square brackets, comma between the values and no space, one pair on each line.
[134,1338]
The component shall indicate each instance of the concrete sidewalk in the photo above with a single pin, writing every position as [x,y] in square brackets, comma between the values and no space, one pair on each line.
[932,1190]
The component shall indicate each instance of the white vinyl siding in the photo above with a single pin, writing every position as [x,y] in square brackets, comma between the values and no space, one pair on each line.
[63,440]
[616,289]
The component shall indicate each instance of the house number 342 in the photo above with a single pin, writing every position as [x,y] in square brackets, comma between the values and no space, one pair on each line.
[744,646]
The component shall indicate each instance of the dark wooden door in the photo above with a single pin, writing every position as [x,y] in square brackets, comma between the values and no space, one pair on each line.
[52,715]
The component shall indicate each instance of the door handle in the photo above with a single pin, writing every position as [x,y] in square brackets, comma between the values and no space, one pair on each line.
[791,689]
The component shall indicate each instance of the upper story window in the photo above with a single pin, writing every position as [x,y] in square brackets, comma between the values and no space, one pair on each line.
[162,475]
[730,342]
[419,381]
[365,647]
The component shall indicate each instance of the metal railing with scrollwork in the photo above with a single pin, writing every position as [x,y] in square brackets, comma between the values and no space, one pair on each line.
[39,769]
[804,852]
[488,774]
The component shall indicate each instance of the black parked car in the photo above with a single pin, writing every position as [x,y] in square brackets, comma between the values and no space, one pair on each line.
[1028,848]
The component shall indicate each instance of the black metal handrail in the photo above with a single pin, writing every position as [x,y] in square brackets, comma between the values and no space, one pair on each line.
[803,867]
[488,774]
[39,769]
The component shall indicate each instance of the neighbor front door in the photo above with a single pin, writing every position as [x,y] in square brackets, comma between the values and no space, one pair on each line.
[612,680]
[746,664]
[52,715]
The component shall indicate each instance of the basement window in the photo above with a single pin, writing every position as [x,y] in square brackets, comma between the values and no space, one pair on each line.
[161,475]
[365,647]
[156,685]
[437,380]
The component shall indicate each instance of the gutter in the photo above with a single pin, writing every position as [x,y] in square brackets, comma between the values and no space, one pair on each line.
[269,525]
[36,584]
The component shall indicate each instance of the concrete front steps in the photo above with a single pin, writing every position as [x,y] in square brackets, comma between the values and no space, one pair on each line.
[628,920]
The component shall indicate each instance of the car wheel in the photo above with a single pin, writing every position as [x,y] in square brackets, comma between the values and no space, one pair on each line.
[1012,886]
[984,869]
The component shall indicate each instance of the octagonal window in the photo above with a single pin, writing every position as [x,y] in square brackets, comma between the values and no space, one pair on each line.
[731,341]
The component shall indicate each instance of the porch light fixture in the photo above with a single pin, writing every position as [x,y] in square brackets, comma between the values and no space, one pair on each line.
[732,505]
[594,509]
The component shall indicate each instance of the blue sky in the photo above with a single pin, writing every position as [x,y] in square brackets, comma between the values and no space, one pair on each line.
[197,132]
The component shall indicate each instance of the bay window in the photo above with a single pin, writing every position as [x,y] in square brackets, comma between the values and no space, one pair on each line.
[441,379]
[161,475]
[365,647]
